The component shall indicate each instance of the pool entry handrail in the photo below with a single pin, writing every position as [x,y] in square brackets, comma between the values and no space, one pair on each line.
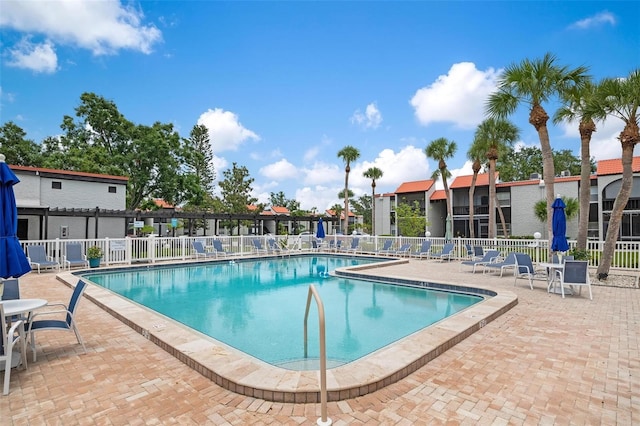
[323,420]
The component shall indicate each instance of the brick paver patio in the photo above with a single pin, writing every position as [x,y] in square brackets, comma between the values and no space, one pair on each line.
[546,361]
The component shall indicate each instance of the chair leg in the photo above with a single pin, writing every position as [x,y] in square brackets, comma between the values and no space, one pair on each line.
[75,330]
[7,374]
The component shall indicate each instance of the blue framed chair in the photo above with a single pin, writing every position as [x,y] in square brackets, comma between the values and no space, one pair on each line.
[66,324]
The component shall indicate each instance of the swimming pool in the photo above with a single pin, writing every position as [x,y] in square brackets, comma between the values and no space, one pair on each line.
[246,375]
[258,306]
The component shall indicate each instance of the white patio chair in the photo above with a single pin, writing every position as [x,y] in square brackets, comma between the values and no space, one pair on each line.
[13,338]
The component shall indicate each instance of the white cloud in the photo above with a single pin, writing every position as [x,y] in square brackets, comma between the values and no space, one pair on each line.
[322,173]
[318,196]
[103,27]
[371,118]
[458,97]
[311,154]
[40,58]
[280,170]
[406,165]
[604,141]
[225,131]
[598,19]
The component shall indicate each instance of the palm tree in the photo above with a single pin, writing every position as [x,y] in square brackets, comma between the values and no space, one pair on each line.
[337,210]
[373,173]
[575,101]
[440,150]
[348,154]
[533,83]
[496,136]
[619,98]
[476,153]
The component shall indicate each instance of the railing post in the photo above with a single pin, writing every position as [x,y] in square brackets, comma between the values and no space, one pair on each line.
[323,420]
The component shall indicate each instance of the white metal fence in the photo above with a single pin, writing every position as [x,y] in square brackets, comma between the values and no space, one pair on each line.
[126,251]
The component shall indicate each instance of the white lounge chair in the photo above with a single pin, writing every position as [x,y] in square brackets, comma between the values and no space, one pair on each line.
[200,251]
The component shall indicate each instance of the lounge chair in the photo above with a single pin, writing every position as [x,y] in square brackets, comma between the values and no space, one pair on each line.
[200,251]
[258,248]
[276,248]
[219,250]
[478,252]
[75,257]
[12,337]
[508,263]
[525,269]
[404,250]
[424,249]
[575,273]
[387,247]
[446,253]
[38,258]
[354,247]
[489,257]
[66,324]
[469,249]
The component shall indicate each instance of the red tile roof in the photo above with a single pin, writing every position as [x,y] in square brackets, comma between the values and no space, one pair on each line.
[415,186]
[162,203]
[332,213]
[614,166]
[279,210]
[465,181]
[438,194]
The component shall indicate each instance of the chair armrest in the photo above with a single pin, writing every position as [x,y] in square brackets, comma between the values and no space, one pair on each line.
[16,326]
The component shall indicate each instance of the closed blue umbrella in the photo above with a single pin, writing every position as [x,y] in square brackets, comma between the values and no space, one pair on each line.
[559,226]
[13,262]
[320,232]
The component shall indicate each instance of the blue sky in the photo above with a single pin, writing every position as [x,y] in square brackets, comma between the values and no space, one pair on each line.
[283,86]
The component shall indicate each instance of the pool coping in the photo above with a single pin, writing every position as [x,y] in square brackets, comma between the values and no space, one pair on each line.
[240,373]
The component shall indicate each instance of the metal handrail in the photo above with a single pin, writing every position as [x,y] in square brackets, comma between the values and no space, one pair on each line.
[323,420]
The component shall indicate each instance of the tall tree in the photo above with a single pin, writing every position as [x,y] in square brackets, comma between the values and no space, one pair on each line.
[440,150]
[236,191]
[17,148]
[619,98]
[362,206]
[496,136]
[477,154]
[199,156]
[374,174]
[102,140]
[534,83]
[515,165]
[574,105]
[337,210]
[348,154]
[280,199]
[410,221]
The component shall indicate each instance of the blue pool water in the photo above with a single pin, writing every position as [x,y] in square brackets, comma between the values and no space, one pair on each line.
[258,306]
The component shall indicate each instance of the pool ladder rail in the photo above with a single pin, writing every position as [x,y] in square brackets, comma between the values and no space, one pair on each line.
[323,420]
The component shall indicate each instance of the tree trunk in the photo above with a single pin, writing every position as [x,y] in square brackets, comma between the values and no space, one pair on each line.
[538,118]
[346,200]
[616,213]
[501,214]
[492,198]
[586,129]
[373,208]
[472,190]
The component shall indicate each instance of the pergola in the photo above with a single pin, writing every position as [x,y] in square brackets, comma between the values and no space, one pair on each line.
[163,215]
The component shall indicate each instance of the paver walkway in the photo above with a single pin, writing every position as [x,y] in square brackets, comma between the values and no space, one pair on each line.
[547,361]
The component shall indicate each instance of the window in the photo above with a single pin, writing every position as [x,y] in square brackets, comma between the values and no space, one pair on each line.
[113,189]
[56,185]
